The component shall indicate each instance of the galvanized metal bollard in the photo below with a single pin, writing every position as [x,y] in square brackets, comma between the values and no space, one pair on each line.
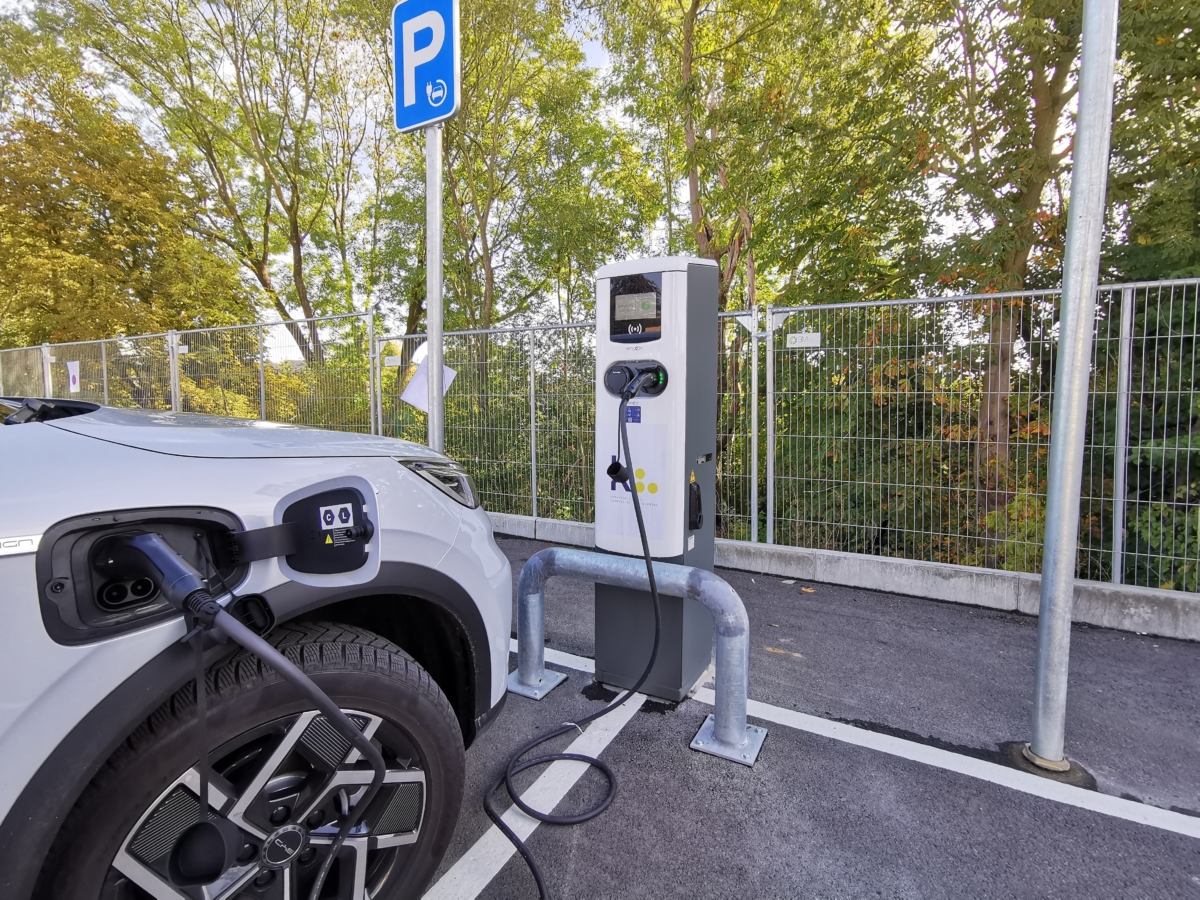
[725,733]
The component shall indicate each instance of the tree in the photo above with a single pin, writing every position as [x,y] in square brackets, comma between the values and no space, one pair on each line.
[97,236]
[1000,154]
[1154,185]
[523,154]
[256,92]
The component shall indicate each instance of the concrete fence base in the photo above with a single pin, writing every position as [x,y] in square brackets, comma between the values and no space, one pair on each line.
[1174,614]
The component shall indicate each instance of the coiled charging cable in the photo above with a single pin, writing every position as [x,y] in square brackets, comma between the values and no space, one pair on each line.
[515,763]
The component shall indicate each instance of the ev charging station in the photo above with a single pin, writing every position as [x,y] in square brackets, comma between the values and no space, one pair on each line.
[656,315]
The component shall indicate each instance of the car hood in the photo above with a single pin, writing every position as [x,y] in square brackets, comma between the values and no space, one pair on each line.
[218,437]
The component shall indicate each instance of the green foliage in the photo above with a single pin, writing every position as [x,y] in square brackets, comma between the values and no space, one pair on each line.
[1154,186]
[876,432]
[97,238]
[1168,537]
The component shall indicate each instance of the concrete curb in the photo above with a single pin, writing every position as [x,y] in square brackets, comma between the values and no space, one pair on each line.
[1174,614]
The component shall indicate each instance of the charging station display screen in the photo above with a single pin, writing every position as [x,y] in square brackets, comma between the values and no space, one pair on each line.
[636,307]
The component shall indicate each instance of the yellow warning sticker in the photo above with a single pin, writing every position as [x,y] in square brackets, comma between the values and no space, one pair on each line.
[329,539]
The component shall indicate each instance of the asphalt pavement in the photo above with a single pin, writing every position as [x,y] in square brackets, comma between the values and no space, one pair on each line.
[817,817]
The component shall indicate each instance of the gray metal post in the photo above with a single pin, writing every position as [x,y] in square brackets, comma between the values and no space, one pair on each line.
[436,430]
[104,371]
[1081,265]
[262,375]
[1121,451]
[371,371]
[532,427]
[173,363]
[2,373]
[47,374]
[754,424]
[726,732]
[770,331]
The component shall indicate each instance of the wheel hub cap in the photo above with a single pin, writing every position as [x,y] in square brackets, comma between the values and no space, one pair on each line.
[282,846]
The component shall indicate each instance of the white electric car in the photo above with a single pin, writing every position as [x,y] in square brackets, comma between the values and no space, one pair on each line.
[387,589]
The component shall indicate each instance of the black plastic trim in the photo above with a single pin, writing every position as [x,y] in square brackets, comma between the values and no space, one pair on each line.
[484,722]
[35,817]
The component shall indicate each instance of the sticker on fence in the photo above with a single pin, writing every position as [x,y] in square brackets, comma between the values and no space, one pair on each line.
[417,392]
[73,376]
[801,339]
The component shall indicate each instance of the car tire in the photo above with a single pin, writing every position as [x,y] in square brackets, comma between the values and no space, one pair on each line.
[358,669]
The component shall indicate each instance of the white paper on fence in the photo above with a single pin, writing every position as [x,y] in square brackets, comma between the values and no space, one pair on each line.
[73,376]
[417,392]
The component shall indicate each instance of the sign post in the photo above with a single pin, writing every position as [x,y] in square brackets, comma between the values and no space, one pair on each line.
[425,44]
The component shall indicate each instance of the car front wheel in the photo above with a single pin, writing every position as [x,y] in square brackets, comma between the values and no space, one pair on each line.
[282,775]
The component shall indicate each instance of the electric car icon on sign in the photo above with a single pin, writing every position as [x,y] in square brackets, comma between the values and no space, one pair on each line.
[365,561]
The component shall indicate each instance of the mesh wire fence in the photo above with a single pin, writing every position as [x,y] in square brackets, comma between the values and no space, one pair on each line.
[1141,489]
[21,372]
[221,371]
[88,361]
[518,413]
[138,372]
[737,393]
[564,435]
[914,429]
[917,429]
[318,372]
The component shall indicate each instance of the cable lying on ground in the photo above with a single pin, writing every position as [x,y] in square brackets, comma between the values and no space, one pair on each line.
[516,764]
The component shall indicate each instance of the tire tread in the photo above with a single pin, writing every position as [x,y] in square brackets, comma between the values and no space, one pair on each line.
[315,646]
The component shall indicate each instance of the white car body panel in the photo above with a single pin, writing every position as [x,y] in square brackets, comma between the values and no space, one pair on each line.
[70,467]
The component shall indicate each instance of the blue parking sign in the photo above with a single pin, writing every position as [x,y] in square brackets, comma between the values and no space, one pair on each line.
[425,46]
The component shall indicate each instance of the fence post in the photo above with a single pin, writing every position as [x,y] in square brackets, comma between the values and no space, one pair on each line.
[770,332]
[1121,452]
[1,373]
[371,373]
[104,371]
[173,362]
[754,424]
[47,374]
[262,375]
[1081,266]
[379,344]
[532,429]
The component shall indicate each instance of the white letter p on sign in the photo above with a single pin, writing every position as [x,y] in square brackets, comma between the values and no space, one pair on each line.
[414,57]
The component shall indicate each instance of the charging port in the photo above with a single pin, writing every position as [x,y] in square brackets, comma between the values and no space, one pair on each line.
[620,375]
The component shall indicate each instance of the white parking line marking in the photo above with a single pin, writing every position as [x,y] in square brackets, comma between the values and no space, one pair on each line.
[1014,779]
[566,660]
[478,866]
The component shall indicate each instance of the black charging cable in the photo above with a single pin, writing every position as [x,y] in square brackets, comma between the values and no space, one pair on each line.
[183,587]
[515,763]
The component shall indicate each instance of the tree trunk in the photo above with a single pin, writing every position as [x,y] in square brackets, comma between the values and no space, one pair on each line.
[992,452]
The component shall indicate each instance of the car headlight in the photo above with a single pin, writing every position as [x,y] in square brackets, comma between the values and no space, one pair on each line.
[448,477]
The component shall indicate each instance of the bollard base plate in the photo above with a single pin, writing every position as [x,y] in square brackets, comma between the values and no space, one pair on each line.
[550,680]
[706,742]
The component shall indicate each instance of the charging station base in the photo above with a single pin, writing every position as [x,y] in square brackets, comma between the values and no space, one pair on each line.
[550,680]
[706,742]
